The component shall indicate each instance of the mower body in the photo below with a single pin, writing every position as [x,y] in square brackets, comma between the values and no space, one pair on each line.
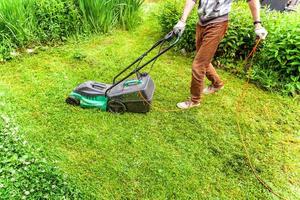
[133,95]
[89,94]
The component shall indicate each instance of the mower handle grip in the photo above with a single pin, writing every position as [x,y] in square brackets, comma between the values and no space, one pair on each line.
[170,36]
[132,82]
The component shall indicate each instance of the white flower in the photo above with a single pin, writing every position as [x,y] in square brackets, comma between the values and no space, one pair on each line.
[30,51]
[14,53]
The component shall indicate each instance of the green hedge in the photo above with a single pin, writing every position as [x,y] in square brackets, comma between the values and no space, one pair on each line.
[24,174]
[276,66]
[29,22]
[56,20]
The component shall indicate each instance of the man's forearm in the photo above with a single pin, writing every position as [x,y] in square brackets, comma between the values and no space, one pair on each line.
[254,6]
[189,5]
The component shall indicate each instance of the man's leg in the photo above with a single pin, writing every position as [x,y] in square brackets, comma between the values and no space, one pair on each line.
[212,35]
[211,73]
[216,82]
[199,38]
[214,78]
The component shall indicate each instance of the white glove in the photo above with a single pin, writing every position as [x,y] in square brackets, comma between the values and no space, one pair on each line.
[261,33]
[179,28]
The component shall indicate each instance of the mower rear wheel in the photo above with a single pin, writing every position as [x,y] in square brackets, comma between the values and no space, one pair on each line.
[116,106]
[73,101]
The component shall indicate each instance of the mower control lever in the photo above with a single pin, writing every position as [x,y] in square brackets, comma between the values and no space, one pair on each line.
[132,82]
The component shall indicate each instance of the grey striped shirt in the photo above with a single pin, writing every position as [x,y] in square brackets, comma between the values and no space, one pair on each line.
[213,11]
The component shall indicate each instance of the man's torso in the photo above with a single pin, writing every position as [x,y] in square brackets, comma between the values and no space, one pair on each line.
[213,11]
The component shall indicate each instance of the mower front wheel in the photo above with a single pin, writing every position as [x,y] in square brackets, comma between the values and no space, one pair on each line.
[116,106]
[73,101]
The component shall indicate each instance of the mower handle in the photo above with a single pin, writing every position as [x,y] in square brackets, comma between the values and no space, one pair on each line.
[167,37]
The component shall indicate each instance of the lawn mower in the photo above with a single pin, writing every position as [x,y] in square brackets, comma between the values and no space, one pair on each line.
[125,94]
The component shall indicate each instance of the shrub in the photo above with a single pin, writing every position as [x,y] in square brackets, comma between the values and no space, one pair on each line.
[276,66]
[278,63]
[56,19]
[24,174]
[6,46]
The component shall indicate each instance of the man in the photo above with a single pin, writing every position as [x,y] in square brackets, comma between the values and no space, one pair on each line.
[212,26]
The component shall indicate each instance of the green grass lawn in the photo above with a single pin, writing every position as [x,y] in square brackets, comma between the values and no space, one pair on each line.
[194,154]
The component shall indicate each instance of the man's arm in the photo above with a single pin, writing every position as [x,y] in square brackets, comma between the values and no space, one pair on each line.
[254,6]
[180,26]
[189,5]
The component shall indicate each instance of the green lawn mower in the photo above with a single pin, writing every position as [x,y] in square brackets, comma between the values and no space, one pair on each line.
[125,94]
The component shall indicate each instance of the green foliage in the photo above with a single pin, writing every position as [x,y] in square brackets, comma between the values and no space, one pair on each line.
[16,22]
[56,19]
[26,22]
[239,39]
[276,66]
[169,15]
[278,63]
[23,174]
[5,47]
[127,12]
[101,16]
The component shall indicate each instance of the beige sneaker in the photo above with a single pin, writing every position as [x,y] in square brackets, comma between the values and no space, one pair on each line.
[211,89]
[187,104]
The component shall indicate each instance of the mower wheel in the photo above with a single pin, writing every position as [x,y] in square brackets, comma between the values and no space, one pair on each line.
[72,101]
[116,106]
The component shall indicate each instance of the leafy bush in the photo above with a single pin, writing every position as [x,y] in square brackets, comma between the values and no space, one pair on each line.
[23,174]
[278,63]
[240,36]
[5,47]
[276,66]
[56,19]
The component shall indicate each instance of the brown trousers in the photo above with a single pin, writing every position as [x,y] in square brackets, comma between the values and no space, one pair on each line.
[208,39]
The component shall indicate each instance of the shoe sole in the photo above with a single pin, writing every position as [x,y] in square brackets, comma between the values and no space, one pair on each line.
[188,107]
[221,88]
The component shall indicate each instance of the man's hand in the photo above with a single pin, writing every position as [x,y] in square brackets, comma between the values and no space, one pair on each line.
[261,32]
[179,28]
